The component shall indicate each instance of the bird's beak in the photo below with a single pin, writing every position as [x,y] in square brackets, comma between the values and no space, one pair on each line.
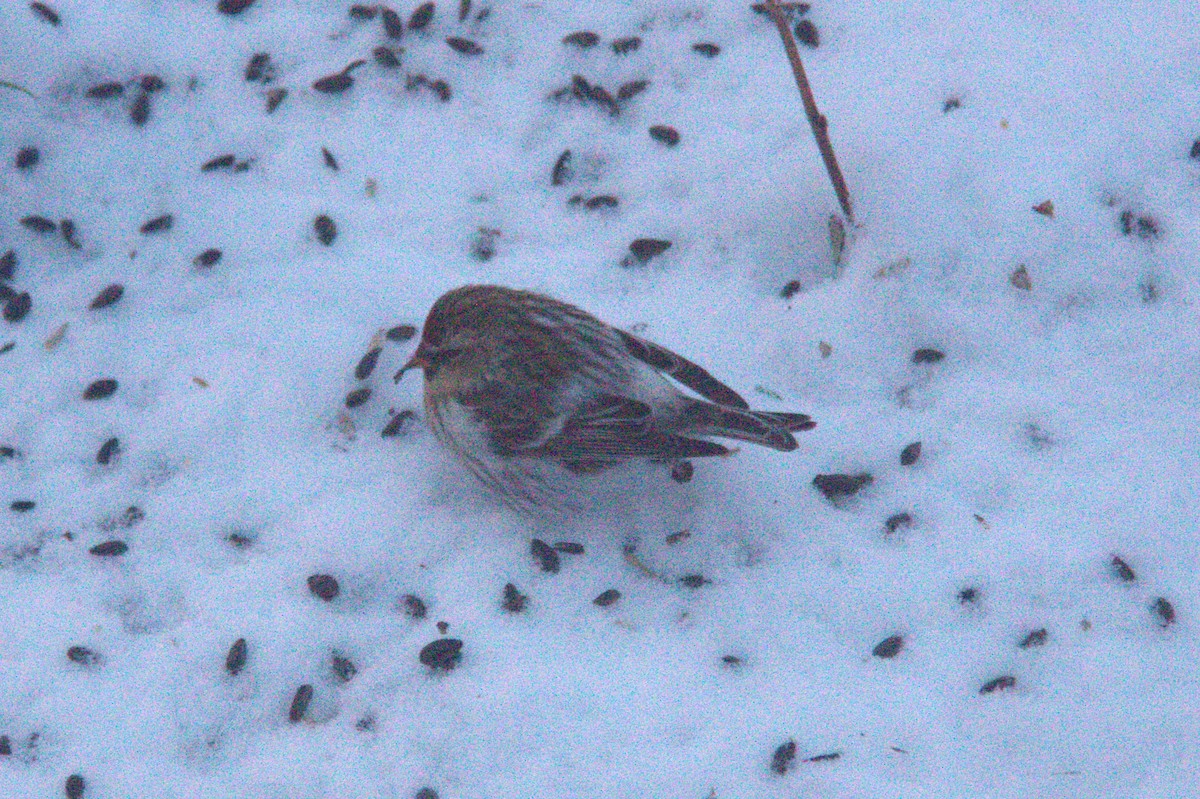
[419,360]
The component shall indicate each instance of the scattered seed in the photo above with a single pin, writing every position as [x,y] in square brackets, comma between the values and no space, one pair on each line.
[333,84]
[998,684]
[152,83]
[600,95]
[665,134]
[442,627]
[343,668]
[300,702]
[103,388]
[421,17]
[607,598]
[910,454]
[132,515]
[464,11]
[106,91]
[158,224]
[8,265]
[442,654]
[806,33]
[889,647]
[837,486]
[674,538]
[45,12]
[258,68]
[568,547]
[514,601]
[1164,610]
[7,347]
[324,586]
[385,57]
[330,161]
[430,793]
[8,452]
[645,249]
[239,540]
[5,746]
[414,606]
[22,505]
[75,784]
[547,558]
[626,45]
[926,355]
[1035,638]
[366,364]
[325,229]
[357,397]
[581,39]
[83,656]
[107,296]
[362,12]
[951,104]
[235,658]
[17,307]
[400,333]
[220,162]
[823,758]
[441,89]
[207,258]
[393,26]
[897,521]
[67,228]
[38,224]
[682,471]
[483,248]
[1122,570]
[395,425]
[1195,151]
[464,46]
[108,450]
[562,171]
[694,581]
[110,549]
[601,202]
[1045,208]
[968,595]
[274,98]
[790,289]
[707,49]
[732,661]
[232,7]
[633,88]
[785,753]
[139,112]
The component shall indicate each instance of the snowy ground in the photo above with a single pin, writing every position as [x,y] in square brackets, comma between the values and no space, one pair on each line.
[1060,429]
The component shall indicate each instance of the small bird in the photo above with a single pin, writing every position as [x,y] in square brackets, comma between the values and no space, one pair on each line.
[531,393]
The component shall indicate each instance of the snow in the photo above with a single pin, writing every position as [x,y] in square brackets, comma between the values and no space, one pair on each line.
[1060,429]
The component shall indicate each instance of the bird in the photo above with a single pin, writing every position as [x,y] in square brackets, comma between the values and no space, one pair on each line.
[534,395]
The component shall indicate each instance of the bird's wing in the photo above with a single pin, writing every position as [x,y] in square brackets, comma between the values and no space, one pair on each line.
[609,429]
[683,370]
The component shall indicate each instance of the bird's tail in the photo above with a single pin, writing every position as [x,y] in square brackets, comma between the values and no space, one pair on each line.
[767,428]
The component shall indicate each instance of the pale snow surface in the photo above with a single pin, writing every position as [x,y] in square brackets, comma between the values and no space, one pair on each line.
[1061,428]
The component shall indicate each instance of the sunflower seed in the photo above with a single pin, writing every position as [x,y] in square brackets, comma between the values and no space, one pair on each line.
[626,45]
[607,598]
[889,647]
[45,12]
[442,654]
[782,759]
[421,17]
[665,134]
[464,46]
[393,26]
[707,49]
[103,388]
[110,549]
[235,658]
[38,224]
[139,112]
[107,296]
[910,454]
[581,39]
[324,586]
[105,91]
[300,702]
[207,258]
[325,229]
[108,450]
[158,224]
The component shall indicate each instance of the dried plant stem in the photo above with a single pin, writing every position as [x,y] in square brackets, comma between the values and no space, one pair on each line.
[820,125]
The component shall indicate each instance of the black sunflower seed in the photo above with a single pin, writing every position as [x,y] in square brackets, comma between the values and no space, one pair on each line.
[357,397]
[665,134]
[421,17]
[561,172]
[581,39]
[232,7]
[108,450]
[300,702]
[395,425]
[67,228]
[441,89]
[107,296]
[645,249]
[464,11]
[414,606]
[968,595]
[258,68]
[139,112]
[806,33]
[568,547]
[75,785]
[707,49]
[385,57]
[324,586]
[837,486]
[607,598]
[1123,570]
[898,520]
[45,12]
[5,746]
[366,364]
[17,307]
[889,647]
[632,89]
[8,265]
[927,355]
[362,12]
[1035,638]
[393,26]
[782,759]
[152,83]
[514,601]
[158,224]
[110,549]
[235,658]
[626,45]
[22,505]
[600,202]
[105,91]
[325,229]
[333,84]
[1164,610]
[545,555]
[442,654]
[400,333]
[343,668]
[694,581]
[330,161]
[998,684]
[274,98]
[100,389]
[464,46]
[38,224]
[910,454]
[208,258]
[83,656]
[219,162]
